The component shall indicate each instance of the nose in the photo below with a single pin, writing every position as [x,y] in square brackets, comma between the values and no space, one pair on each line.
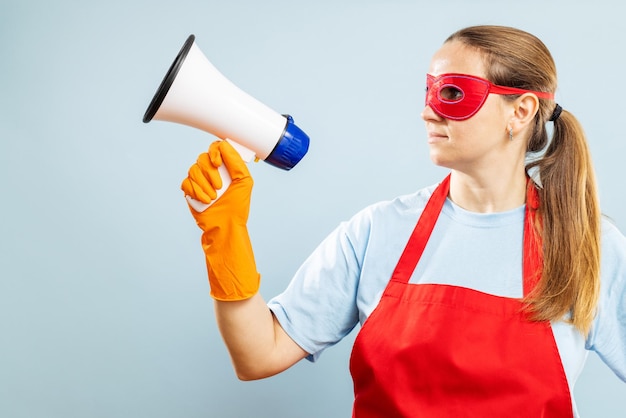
[428,114]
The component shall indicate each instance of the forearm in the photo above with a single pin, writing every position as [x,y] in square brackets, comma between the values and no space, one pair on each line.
[257,344]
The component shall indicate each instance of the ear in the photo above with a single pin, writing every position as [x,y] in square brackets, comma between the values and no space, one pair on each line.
[524,110]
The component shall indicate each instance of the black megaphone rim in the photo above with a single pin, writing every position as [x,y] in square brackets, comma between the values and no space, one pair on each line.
[169,78]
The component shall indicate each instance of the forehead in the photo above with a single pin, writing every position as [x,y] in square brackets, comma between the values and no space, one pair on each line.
[455,57]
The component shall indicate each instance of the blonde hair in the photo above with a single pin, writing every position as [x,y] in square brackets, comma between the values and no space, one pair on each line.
[569,208]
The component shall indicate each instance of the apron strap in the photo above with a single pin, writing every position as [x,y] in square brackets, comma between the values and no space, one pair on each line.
[421,233]
[533,252]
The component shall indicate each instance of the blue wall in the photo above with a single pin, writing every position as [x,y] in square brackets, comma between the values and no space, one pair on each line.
[104,306]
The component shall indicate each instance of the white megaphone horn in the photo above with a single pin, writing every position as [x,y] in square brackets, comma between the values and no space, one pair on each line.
[196,94]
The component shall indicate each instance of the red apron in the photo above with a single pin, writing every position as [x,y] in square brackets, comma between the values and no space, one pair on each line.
[431,350]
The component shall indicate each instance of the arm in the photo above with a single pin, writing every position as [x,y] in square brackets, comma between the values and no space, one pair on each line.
[608,332]
[258,345]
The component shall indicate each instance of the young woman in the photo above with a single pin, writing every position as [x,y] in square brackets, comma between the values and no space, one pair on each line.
[477,296]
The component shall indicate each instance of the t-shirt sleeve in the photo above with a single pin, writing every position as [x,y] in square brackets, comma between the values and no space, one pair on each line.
[608,333]
[318,308]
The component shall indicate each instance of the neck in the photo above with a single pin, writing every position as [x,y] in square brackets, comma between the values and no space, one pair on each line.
[489,192]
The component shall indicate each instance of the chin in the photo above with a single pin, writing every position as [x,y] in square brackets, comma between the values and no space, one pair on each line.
[440,160]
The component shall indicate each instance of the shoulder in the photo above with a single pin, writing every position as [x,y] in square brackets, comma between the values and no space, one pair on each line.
[610,230]
[385,222]
[381,229]
[613,267]
[613,244]
[408,206]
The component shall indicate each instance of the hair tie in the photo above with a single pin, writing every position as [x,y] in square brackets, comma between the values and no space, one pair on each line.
[556,113]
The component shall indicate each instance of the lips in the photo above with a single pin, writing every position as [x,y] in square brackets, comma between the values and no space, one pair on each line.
[434,137]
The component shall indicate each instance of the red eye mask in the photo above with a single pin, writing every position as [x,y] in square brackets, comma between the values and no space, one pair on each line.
[460,96]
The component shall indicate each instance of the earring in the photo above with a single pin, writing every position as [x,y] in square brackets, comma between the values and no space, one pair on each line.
[511,134]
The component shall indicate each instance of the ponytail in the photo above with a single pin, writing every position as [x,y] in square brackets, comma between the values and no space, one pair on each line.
[570,228]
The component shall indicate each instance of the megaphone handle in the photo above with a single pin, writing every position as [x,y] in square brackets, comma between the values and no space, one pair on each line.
[201,206]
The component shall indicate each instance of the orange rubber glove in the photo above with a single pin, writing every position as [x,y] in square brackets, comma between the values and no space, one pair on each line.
[225,241]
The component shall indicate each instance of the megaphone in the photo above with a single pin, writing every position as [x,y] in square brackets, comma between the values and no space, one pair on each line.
[194,93]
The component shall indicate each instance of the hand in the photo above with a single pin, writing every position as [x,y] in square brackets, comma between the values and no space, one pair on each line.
[212,171]
[225,241]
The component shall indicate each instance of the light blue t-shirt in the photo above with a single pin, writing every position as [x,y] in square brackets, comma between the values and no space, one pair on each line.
[341,282]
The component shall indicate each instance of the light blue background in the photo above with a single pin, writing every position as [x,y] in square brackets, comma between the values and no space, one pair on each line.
[104,306]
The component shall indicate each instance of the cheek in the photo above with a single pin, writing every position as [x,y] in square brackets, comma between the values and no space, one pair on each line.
[473,136]
[486,126]
[462,132]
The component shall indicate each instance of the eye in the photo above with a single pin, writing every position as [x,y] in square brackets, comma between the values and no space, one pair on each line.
[451,93]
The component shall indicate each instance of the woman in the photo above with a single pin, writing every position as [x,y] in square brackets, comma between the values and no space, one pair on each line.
[477,296]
